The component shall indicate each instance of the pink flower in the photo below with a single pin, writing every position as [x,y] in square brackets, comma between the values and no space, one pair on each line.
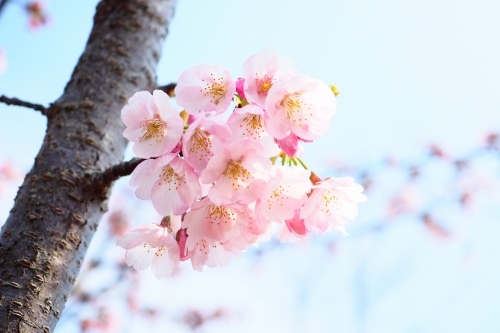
[301,106]
[202,139]
[248,122]
[151,245]
[218,233]
[205,88]
[152,123]
[261,71]
[331,204]
[208,252]
[213,252]
[170,183]
[238,172]
[284,194]
[218,222]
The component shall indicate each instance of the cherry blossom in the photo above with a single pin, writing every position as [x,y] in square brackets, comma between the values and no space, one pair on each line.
[217,222]
[208,252]
[284,192]
[214,252]
[220,178]
[151,245]
[301,105]
[152,123]
[170,183]
[331,204]
[238,172]
[248,122]
[261,71]
[202,139]
[205,88]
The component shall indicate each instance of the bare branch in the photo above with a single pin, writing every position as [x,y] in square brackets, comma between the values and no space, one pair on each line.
[2,5]
[18,102]
[115,172]
[169,89]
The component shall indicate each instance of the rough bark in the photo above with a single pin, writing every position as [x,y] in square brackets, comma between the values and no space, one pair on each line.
[59,206]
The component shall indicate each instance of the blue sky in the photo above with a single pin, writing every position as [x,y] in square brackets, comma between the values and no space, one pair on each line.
[410,73]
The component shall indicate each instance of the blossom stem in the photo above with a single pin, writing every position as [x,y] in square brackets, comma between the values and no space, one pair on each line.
[240,101]
[285,159]
[302,163]
[165,222]
[185,117]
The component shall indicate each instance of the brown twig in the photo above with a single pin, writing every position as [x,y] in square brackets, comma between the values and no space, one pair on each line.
[2,5]
[18,102]
[169,89]
[115,172]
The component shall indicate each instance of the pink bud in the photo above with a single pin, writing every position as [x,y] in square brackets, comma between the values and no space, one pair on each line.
[315,178]
[239,87]
[181,238]
[291,146]
[296,224]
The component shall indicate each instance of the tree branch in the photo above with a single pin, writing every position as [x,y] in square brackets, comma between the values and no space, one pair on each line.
[169,89]
[18,102]
[115,172]
[2,4]
[54,217]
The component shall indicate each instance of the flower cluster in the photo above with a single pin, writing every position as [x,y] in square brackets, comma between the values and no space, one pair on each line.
[216,181]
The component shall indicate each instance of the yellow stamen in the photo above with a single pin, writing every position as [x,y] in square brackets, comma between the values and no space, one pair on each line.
[216,90]
[218,214]
[263,85]
[153,129]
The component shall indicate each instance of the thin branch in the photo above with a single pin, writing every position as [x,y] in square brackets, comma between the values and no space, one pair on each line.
[169,89]
[115,172]
[2,4]
[18,102]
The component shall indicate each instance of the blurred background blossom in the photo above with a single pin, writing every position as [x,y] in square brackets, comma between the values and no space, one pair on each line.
[37,15]
[3,61]
[417,123]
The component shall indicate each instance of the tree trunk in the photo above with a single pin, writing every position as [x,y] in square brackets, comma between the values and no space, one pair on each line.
[59,206]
